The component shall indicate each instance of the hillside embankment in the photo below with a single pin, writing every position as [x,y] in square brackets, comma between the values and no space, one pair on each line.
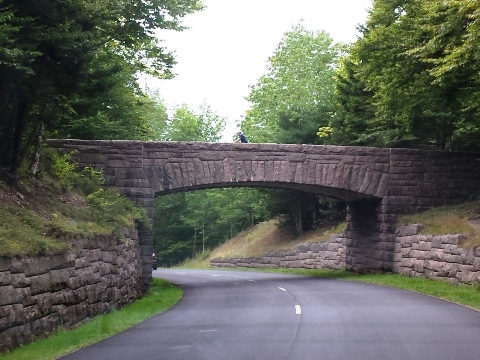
[442,243]
[62,260]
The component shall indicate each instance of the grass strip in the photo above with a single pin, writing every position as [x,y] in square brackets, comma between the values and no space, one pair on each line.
[466,295]
[161,296]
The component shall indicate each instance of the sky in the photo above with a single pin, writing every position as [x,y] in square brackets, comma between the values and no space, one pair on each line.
[227,45]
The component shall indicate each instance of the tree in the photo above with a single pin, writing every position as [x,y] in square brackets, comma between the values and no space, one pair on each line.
[295,97]
[173,242]
[110,105]
[354,109]
[291,102]
[452,52]
[414,61]
[202,124]
[49,46]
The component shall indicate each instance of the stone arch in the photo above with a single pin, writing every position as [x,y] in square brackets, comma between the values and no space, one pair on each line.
[377,183]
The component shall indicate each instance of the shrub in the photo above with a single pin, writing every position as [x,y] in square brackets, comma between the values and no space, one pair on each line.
[110,207]
[88,180]
[63,169]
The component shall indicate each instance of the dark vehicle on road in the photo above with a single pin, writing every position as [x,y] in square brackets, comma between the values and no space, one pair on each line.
[154,261]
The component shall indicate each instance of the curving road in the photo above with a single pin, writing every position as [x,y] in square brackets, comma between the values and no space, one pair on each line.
[229,315]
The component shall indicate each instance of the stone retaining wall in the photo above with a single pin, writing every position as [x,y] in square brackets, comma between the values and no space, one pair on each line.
[326,255]
[433,257]
[39,294]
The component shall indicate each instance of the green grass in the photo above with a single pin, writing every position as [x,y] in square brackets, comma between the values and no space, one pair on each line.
[200,261]
[466,295]
[161,296]
[23,232]
[35,216]
[453,219]
[270,236]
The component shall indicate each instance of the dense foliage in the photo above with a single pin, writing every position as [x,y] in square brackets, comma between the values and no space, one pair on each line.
[411,79]
[295,97]
[68,68]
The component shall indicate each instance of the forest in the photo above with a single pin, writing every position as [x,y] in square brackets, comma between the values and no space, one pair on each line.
[71,69]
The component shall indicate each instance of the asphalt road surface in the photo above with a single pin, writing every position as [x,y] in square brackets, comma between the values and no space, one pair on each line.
[233,315]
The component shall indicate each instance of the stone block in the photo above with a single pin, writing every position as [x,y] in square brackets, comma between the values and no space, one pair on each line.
[452,249]
[447,270]
[476,251]
[467,256]
[449,239]
[419,267]
[406,241]
[408,230]
[476,264]
[4,264]
[10,295]
[452,258]
[40,284]
[465,275]
[420,254]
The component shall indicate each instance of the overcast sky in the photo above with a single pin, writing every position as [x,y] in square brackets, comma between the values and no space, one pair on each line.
[227,46]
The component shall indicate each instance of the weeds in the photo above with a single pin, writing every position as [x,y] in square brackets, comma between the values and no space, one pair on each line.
[63,169]
[23,232]
[59,209]
[110,208]
[455,219]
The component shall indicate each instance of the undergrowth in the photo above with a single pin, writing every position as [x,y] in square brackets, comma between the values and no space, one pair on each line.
[61,203]
[24,232]
[260,239]
[463,218]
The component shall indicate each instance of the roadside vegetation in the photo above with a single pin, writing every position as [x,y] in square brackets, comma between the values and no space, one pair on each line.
[462,218]
[161,296]
[273,235]
[41,212]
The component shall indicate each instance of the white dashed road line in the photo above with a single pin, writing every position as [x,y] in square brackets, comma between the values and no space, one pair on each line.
[298,310]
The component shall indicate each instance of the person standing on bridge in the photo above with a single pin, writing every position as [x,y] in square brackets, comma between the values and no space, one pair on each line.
[241,138]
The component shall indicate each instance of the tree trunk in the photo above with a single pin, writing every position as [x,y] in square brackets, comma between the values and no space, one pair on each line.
[194,242]
[7,127]
[38,149]
[17,140]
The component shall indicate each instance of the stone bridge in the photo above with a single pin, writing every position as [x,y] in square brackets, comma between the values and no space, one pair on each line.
[378,184]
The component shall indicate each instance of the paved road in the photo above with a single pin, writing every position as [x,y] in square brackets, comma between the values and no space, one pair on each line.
[228,315]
